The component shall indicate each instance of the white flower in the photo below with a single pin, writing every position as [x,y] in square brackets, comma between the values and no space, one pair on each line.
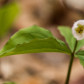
[78,29]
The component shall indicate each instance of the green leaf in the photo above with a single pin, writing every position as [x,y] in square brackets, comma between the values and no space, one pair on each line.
[79,44]
[7,16]
[67,33]
[80,55]
[33,40]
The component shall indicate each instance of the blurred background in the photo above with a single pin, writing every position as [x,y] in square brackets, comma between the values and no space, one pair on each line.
[39,68]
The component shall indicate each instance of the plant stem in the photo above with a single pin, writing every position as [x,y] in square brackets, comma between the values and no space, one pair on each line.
[70,65]
[69,69]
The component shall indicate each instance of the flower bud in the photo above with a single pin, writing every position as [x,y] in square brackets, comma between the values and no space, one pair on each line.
[78,29]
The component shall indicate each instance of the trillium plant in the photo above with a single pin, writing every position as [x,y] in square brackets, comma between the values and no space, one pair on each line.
[35,39]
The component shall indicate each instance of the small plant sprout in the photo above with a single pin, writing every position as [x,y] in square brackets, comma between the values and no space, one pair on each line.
[78,29]
[35,39]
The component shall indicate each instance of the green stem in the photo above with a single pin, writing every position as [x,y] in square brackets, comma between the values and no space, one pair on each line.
[70,65]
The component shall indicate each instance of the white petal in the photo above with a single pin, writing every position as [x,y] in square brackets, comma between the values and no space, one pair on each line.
[78,36]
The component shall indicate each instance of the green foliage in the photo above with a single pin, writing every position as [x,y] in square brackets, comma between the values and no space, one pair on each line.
[67,33]
[33,40]
[7,16]
[80,55]
[79,44]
